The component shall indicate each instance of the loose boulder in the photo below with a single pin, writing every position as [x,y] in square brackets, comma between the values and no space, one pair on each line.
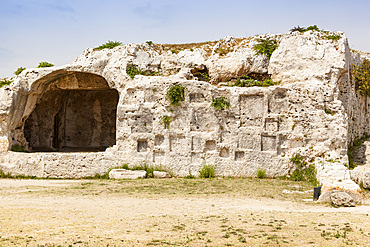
[342,199]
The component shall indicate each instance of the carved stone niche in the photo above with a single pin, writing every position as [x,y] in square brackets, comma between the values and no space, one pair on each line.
[268,143]
[142,145]
[251,109]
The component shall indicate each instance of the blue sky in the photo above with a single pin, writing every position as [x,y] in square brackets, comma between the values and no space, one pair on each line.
[58,31]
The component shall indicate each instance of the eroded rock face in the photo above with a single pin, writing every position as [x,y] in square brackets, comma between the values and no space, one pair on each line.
[307,114]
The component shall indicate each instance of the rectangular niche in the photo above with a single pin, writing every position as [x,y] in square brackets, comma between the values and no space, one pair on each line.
[159,139]
[239,155]
[278,102]
[142,145]
[249,141]
[268,143]
[141,122]
[203,120]
[196,144]
[271,124]
[251,109]
[178,144]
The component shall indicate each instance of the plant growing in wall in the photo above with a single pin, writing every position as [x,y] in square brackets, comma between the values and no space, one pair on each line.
[303,171]
[204,76]
[19,71]
[132,70]
[176,94]
[109,45]
[18,148]
[166,120]
[361,77]
[5,82]
[246,81]
[220,103]
[265,47]
[45,64]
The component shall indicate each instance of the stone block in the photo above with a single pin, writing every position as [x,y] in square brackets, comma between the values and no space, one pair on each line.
[158,174]
[126,174]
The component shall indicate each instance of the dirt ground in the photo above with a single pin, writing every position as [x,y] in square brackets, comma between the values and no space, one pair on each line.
[174,212]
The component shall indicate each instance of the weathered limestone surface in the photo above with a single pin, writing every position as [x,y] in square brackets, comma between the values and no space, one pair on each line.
[126,174]
[263,128]
[340,198]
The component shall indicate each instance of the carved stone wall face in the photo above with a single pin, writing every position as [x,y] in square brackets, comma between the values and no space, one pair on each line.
[75,107]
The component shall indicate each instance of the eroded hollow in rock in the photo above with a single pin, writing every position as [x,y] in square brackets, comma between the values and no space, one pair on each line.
[69,118]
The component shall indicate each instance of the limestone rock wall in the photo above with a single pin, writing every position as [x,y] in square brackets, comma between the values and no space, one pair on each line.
[314,112]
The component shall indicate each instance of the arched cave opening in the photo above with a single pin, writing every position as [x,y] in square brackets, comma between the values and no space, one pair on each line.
[75,113]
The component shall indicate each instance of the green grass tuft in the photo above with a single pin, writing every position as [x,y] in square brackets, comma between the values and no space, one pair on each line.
[176,94]
[109,45]
[5,82]
[261,173]
[45,64]
[19,71]
[220,103]
[265,47]
[207,171]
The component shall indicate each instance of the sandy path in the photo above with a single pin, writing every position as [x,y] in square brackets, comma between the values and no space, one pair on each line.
[52,220]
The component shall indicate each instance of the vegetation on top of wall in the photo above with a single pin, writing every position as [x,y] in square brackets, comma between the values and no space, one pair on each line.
[176,94]
[175,51]
[361,77]
[303,171]
[220,103]
[315,28]
[223,51]
[45,64]
[19,71]
[305,29]
[149,42]
[265,47]
[246,81]
[109,45]
[333,37]
[5,82]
